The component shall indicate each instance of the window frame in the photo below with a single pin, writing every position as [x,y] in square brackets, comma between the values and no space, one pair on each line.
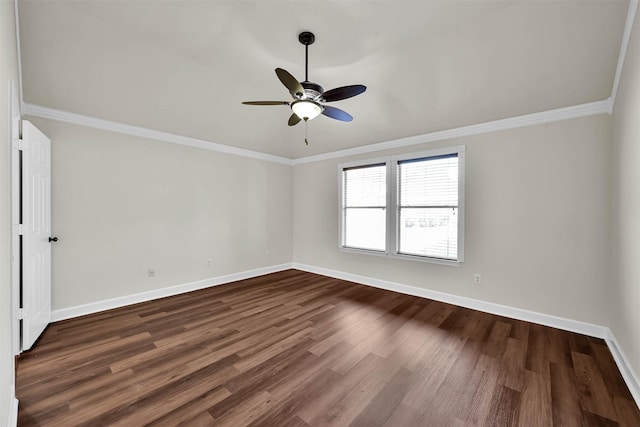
[392,206]
[344,209]
[341,207]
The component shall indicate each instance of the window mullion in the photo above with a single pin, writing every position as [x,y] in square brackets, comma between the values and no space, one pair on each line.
[341,208]
[392,207]
[461,204]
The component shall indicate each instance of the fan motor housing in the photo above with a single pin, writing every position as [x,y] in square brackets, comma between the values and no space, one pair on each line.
[312,90]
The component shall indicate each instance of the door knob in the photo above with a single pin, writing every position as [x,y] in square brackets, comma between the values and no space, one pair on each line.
[53,239]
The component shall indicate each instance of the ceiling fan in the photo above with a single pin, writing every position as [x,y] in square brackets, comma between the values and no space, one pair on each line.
[308,96]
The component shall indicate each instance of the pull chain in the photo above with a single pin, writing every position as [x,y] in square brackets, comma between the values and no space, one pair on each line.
[306,141]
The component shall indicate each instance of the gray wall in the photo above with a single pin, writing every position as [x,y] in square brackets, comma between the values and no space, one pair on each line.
[624,290]
[538,216]
[123,204]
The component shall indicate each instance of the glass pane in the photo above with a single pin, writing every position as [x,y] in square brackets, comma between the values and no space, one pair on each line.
[429,182]
[365,186]
[429,232]
[365,228]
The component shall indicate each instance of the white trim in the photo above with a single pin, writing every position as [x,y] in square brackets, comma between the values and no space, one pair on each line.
[625,368]
[487,307]
[462,202]
[576,111]
[626,36]
[391,247]
[566,113]
[14,179]
[94,307]
[12,416]
[78,119]
[379,162]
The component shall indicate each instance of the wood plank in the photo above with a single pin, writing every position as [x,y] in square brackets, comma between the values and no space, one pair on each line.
[592,390]
[380,408]
[486,374]
[345,406]
[565,404]
[193,412]
[535,401]
[505,407]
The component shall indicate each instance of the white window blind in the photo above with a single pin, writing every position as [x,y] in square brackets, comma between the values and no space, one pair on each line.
[364,207]
[428,207]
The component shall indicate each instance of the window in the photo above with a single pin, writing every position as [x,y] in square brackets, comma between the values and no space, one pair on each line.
[428,206]
[365,204]
[409,206]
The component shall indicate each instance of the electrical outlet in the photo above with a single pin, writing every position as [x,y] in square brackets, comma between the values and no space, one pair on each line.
[267,255]
[477,279]
[152,272]
[209,263]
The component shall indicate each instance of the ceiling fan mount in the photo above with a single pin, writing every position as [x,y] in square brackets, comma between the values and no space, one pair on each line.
[306,38]
[308,96]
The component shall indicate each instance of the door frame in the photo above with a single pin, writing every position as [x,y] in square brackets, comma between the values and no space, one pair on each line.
[16,255]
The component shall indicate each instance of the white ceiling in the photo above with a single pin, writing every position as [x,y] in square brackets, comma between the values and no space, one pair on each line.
[184,67]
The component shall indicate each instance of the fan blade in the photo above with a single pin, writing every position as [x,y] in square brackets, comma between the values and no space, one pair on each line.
[343,92]
[294,120]
[265,103]
[294,86]
[336,113]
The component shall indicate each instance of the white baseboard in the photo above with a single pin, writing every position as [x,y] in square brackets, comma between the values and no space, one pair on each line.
[95,307]
[12,420]
[630,378]
[487,307]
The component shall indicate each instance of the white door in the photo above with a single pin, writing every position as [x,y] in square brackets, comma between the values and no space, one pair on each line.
[36,231]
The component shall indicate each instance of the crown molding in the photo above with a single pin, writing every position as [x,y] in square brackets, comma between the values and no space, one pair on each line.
[78,119]
[626,36]
[566,113]
[576,111]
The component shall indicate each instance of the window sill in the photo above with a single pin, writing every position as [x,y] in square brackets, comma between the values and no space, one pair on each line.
[418,258]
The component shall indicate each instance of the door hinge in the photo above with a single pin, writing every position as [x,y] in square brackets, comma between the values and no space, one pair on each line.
[20,229]
[19,144]
[22,313]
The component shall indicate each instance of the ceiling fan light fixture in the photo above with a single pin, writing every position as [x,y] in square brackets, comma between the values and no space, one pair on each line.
[306,110]
[309,97]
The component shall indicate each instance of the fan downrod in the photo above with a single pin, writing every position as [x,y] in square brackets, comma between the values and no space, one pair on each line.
[306,38]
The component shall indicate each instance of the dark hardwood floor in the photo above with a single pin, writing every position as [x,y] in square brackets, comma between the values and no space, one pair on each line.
[298,349]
